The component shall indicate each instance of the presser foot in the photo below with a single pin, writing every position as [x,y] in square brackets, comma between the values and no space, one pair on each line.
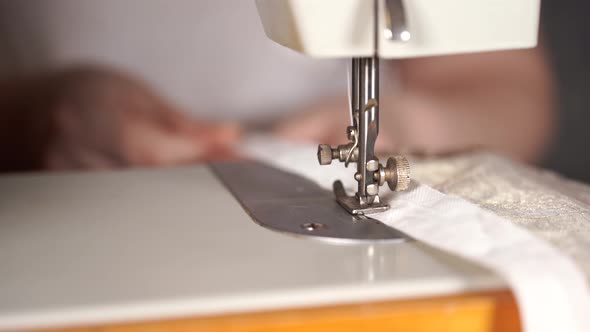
[353,205]
[396,174]
[362,136]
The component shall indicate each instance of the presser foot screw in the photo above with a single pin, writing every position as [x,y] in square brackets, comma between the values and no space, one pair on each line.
[326,153]
[373,165]
[372,190]
[396,174]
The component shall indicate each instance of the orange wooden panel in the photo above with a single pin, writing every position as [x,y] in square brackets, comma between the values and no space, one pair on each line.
[479,312]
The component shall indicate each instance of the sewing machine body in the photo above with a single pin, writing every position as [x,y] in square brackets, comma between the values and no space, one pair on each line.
[86,249]
[344,28]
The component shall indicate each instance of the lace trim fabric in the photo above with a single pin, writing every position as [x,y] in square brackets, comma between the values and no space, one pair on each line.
[554,208]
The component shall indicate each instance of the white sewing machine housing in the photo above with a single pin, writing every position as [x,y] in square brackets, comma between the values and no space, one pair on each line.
[344,28]
[88,249]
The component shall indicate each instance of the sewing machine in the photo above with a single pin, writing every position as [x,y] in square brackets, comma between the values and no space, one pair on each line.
[173,247]
[367,30]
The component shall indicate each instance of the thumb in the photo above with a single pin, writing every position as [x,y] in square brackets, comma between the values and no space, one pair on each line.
[211,133]
[222,134]
[151,145]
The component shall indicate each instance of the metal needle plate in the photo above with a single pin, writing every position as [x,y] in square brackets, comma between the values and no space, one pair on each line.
[289,203]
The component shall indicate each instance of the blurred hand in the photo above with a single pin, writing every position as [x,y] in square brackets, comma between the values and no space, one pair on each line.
[325,122]
[499,101]
[105,119]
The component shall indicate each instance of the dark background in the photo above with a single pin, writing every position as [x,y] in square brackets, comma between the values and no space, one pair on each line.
[566,35]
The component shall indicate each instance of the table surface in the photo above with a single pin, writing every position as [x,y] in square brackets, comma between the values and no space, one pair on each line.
[108,247]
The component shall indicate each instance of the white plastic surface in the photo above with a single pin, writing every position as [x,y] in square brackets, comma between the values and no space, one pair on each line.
[344,28]
[92,248]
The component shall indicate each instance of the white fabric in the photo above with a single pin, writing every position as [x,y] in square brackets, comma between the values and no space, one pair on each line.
[550,289]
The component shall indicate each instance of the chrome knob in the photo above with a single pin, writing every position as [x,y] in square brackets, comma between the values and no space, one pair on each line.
[326,154]
[345,152]
[396,173]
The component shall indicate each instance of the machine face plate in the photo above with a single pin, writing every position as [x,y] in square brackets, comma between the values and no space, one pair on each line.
[289,203]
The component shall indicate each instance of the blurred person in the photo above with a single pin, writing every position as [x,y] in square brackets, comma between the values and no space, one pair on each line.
[187,51]
[93,117]
[214,63]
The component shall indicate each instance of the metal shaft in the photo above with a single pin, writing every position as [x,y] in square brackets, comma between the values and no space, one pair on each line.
[368,125]
[364,129]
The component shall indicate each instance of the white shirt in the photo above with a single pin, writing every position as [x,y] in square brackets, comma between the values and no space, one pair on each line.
[211,57]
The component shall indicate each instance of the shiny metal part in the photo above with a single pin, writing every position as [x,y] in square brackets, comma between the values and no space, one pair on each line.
[396,173]
[289,203]
[313,226]
[370,174]
[373,189]
[373,165]
[326,154]
[396,22]
[354,136]
[364,129]
[345,153]
[353,205]
[368,125]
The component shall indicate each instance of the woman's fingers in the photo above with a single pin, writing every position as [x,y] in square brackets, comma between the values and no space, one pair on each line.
[323,125]
[211,133]
[107,119]
[148,142]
